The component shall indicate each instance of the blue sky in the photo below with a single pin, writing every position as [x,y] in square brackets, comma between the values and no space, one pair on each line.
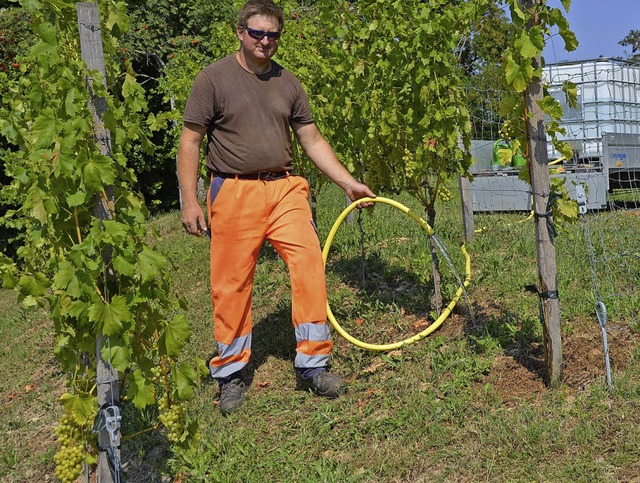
[599,26]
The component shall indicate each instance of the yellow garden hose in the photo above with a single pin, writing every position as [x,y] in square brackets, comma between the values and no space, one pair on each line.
[484,228]
[445,313]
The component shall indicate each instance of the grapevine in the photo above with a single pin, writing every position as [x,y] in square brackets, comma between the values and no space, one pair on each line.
[400,113]
[58,175]
[521,69]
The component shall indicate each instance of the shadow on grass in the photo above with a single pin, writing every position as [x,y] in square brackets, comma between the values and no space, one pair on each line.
[146,458]
[485,326]
[490,326]
[375,279]
[273,336]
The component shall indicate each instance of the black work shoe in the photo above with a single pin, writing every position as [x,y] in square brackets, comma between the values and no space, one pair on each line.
[231,395]
[324,384]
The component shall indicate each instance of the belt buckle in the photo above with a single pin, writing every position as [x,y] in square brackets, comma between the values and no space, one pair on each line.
[269,175]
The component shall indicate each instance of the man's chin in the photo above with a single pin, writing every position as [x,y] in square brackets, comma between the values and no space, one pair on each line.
[264,55]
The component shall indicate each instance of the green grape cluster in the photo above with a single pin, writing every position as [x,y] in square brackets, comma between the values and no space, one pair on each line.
[407,156]
[173,418]
[410,165]
[507,129]
[71,455]
[158,373]
[444,193]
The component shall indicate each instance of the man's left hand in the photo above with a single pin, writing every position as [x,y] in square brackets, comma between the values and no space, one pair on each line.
[358,190]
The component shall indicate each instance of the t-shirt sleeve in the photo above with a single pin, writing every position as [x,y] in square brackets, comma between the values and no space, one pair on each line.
[301,113]
[200,106]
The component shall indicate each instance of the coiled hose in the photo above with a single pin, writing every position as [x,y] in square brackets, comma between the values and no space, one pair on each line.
[445,313]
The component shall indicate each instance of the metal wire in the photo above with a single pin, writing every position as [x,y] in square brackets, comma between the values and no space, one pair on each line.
[601,308]
[601,312]
[362,251]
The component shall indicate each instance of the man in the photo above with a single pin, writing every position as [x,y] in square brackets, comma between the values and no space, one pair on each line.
[247,104]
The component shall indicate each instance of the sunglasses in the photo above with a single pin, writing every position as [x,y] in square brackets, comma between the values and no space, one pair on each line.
[261,34]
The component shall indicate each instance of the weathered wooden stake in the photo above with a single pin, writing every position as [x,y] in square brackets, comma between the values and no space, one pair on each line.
[107,377]
[467,205]
[467,209]
[540,185]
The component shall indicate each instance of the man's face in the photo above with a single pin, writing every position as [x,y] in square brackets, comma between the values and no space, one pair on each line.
[258,38]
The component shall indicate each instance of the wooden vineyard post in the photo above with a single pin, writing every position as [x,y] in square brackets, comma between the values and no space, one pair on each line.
[546,252]
[467,205]
[108,389]
[467,209]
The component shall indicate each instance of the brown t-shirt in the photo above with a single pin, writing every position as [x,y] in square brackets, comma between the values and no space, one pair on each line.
[247,116]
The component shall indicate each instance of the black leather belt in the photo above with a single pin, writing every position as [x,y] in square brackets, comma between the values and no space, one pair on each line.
[261,175]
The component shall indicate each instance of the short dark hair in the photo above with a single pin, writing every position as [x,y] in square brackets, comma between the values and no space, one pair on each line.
[265,8]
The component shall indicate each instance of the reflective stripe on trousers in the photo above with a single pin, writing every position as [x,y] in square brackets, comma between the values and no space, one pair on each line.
[242,214]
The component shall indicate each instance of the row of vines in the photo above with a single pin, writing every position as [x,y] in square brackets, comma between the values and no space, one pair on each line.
[387,89]
[58,175]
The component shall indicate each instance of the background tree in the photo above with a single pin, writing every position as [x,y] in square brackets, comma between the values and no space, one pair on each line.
[481,58]
[181,66]
[15,39]
[632,40]
[159,30]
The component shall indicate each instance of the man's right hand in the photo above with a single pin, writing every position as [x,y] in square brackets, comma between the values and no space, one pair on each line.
[192,215]
[193,220]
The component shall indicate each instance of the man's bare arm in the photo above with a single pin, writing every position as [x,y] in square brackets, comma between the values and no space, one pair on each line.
[322,155]
[192,216]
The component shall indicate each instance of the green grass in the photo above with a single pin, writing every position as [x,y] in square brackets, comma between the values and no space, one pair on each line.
[465,404]
[30,383]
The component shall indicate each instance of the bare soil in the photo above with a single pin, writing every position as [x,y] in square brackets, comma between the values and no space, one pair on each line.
[519,373]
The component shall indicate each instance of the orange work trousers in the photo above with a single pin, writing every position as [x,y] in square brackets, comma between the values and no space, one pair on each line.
[242,214]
